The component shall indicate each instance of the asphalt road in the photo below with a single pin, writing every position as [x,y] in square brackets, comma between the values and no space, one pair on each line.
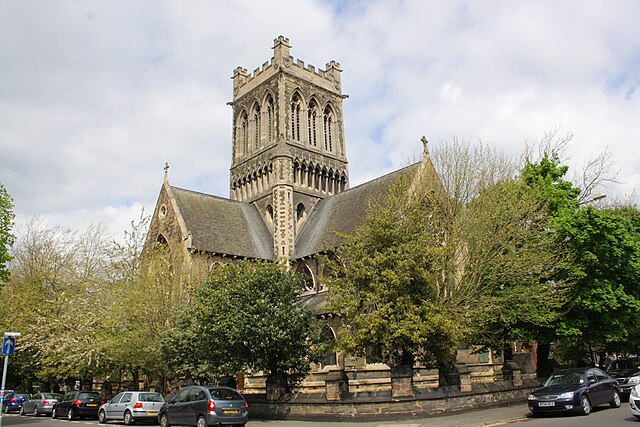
[509,416]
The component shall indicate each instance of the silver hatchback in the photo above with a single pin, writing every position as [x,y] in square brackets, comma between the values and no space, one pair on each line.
[131,406]
[40,404]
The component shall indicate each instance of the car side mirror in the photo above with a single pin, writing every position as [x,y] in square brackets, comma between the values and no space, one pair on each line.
[172,401]
[592,381]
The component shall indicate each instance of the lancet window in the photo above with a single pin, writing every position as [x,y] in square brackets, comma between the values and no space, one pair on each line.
[295,118]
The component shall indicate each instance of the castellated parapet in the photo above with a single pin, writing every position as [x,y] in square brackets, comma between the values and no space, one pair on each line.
[327,79]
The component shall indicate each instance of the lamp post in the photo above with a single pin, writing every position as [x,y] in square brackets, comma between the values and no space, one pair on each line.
[593,199]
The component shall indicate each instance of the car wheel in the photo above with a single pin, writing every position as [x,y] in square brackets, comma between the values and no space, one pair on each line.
[128,418]
[164,421]
[102,417]
[54,413]
[70,415]
[585,405]
[35,411]
[615,400]
[201,422]
[6,409]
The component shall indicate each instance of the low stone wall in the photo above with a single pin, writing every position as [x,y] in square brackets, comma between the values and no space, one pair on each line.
[378,405]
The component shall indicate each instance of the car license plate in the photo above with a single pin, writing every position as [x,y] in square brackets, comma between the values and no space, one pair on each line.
[152,412]
[92,404]
[546,404]
[229,411]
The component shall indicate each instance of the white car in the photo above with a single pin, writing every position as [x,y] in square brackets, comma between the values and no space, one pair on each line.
[634,401]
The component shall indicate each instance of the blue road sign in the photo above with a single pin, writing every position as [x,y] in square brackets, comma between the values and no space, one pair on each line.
[8,345]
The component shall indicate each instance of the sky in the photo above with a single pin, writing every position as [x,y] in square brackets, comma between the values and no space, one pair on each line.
[95,96]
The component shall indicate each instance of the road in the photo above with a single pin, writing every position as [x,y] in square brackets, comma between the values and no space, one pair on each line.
[507,416]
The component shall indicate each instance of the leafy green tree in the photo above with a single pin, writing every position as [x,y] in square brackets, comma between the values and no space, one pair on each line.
[389,284]
[603,310]
[510,265]
[55,276]
[6,238]
[249,316]
[143,292]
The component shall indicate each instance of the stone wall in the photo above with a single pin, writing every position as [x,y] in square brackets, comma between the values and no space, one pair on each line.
[381,405]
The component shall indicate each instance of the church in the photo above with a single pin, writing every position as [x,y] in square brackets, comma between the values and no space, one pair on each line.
[289,194]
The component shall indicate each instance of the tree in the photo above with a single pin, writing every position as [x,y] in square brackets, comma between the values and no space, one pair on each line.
[55,276]
[6,238]
[603,310]
[142,293]
[389,281]
[249,316]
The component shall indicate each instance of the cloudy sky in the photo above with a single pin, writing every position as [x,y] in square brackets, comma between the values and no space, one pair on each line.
[95,96]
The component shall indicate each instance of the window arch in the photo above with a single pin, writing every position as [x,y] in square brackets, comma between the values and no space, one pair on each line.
[271,117]
[312,123]
[306,277]
[296,108]
[244,132]
[328,339]
[328,128]
[300,212]
[256,126]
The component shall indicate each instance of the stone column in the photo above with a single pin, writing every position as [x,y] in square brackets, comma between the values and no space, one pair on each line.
[402,381]
[336,385]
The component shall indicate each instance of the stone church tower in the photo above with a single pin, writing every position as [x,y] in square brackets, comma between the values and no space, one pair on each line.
[288,141]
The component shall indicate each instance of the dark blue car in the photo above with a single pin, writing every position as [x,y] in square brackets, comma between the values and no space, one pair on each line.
[13,401]
[575,390]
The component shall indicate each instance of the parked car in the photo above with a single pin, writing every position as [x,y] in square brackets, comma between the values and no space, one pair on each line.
[131,406]
[575,390]
[77,404]
[626,372]
[40,404]
[634,401]
[202,406]
[13,401]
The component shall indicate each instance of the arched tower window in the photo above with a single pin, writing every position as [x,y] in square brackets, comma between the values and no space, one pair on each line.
[312,123]
[271,120]
[327,124]
[244,132]
[300,211]
[257,127]
[295,117]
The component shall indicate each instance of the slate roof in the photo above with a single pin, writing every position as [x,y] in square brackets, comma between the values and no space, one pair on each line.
[224,226]
[342,213]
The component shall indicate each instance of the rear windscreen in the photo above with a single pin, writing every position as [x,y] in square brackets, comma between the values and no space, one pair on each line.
[150,397]
[86,396]
[51,396]
[224,394]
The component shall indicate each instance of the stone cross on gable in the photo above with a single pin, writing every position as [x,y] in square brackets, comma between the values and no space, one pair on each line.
[425,150]
[166,168]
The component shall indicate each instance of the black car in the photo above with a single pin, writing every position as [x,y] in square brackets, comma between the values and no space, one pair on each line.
[626,372]
[78,404]
[575,390]
[203,406]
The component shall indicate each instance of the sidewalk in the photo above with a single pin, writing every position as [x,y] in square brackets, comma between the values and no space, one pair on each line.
[480,418]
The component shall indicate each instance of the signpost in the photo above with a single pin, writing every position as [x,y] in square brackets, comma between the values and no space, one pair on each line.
[8,347]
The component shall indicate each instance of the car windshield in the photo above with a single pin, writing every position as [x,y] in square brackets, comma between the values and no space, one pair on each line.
[565,378]
[21,395]
[224,394]
[88,396]
[150,397]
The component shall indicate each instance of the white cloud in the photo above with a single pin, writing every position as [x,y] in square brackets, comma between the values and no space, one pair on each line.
[96,97]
